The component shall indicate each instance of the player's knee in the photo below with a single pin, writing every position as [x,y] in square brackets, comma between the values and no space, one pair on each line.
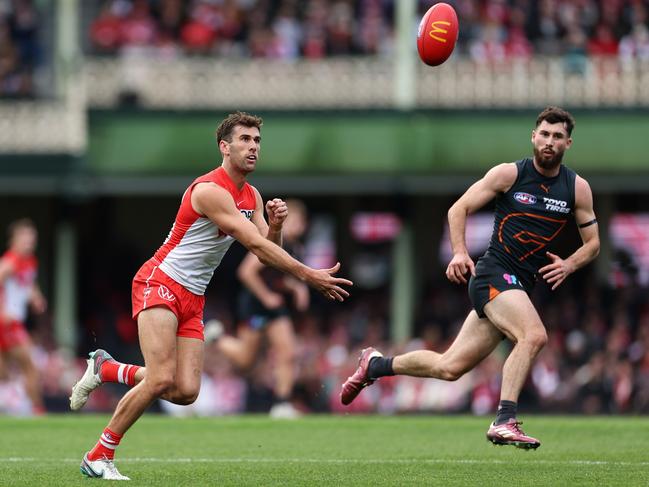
[186,393]
[537,339]
[161,384]
[185,398]
[451,372]
[287,355]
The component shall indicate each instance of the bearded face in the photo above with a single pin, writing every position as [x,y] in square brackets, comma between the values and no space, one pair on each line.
[550,140]
[548,158]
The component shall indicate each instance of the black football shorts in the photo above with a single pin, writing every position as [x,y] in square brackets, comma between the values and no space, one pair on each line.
[491,279]
[255,314]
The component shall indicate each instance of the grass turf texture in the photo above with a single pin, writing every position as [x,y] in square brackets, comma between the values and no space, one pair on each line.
[330,450]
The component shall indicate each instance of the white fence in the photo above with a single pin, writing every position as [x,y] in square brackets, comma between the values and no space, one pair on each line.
[200,83]
[349,83]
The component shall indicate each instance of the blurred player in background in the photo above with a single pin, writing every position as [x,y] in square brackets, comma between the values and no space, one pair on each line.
[264,309]
[534,198]
[168,290]
[18,291]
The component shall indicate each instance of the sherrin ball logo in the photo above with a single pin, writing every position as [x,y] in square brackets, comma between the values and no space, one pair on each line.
[438,29]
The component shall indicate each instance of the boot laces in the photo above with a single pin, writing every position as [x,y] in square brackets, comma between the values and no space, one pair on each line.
[110,466]
[516,427]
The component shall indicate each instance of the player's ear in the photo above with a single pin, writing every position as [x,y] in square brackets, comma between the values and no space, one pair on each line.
[224,147]
[533,134]
[568,143]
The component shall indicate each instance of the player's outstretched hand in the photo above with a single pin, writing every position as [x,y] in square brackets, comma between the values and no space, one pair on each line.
[556,272]
[323,281]
[457,269]
[277,211]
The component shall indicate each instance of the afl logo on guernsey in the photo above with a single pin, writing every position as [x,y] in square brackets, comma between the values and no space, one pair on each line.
[525,198]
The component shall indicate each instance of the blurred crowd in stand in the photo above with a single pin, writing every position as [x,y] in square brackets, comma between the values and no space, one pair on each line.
[596,361]
[20,50]
[490,30]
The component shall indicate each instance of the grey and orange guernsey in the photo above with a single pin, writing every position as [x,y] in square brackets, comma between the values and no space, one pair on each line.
[528,217]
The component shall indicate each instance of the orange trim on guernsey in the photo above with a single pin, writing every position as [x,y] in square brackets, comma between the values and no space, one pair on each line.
[518,236]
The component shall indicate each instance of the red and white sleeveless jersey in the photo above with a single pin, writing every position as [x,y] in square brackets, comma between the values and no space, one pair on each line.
[195,245]
[16,289]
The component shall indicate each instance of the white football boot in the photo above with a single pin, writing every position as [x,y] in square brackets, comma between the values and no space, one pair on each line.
[102,468]
[90,379]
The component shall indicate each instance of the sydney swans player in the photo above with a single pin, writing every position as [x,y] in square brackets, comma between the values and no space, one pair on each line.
[168,290]
[18,291]
[534,199]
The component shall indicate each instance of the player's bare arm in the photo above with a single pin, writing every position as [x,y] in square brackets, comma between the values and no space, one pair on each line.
[216,204]
[497,180]
[6,269]
[557,271]
[249,273]
[277,212]
[299,291]
[37,300]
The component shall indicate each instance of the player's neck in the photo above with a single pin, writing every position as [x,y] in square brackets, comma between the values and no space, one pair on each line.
[237,177]
[20,252]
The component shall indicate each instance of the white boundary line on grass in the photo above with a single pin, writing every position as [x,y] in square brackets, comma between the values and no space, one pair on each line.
[340,461]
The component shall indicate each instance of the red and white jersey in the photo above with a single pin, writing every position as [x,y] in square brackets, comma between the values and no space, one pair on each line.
[195,245]
[17,287]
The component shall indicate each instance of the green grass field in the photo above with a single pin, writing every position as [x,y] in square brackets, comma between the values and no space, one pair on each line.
[330,450]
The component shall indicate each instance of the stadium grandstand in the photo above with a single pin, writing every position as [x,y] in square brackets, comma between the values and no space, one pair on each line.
[108,111]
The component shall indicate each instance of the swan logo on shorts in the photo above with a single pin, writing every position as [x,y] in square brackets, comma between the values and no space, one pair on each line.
[165,294]
[525,198]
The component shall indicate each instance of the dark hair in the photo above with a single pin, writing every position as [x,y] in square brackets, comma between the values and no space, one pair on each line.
[17,225]
[557,115]
[226,127]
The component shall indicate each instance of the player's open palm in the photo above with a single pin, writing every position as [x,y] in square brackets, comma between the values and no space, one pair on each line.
[324,281]
[460,265]
[557,271]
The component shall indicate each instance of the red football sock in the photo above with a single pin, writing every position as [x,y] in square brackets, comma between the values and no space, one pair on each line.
[113,371]
[106,445]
